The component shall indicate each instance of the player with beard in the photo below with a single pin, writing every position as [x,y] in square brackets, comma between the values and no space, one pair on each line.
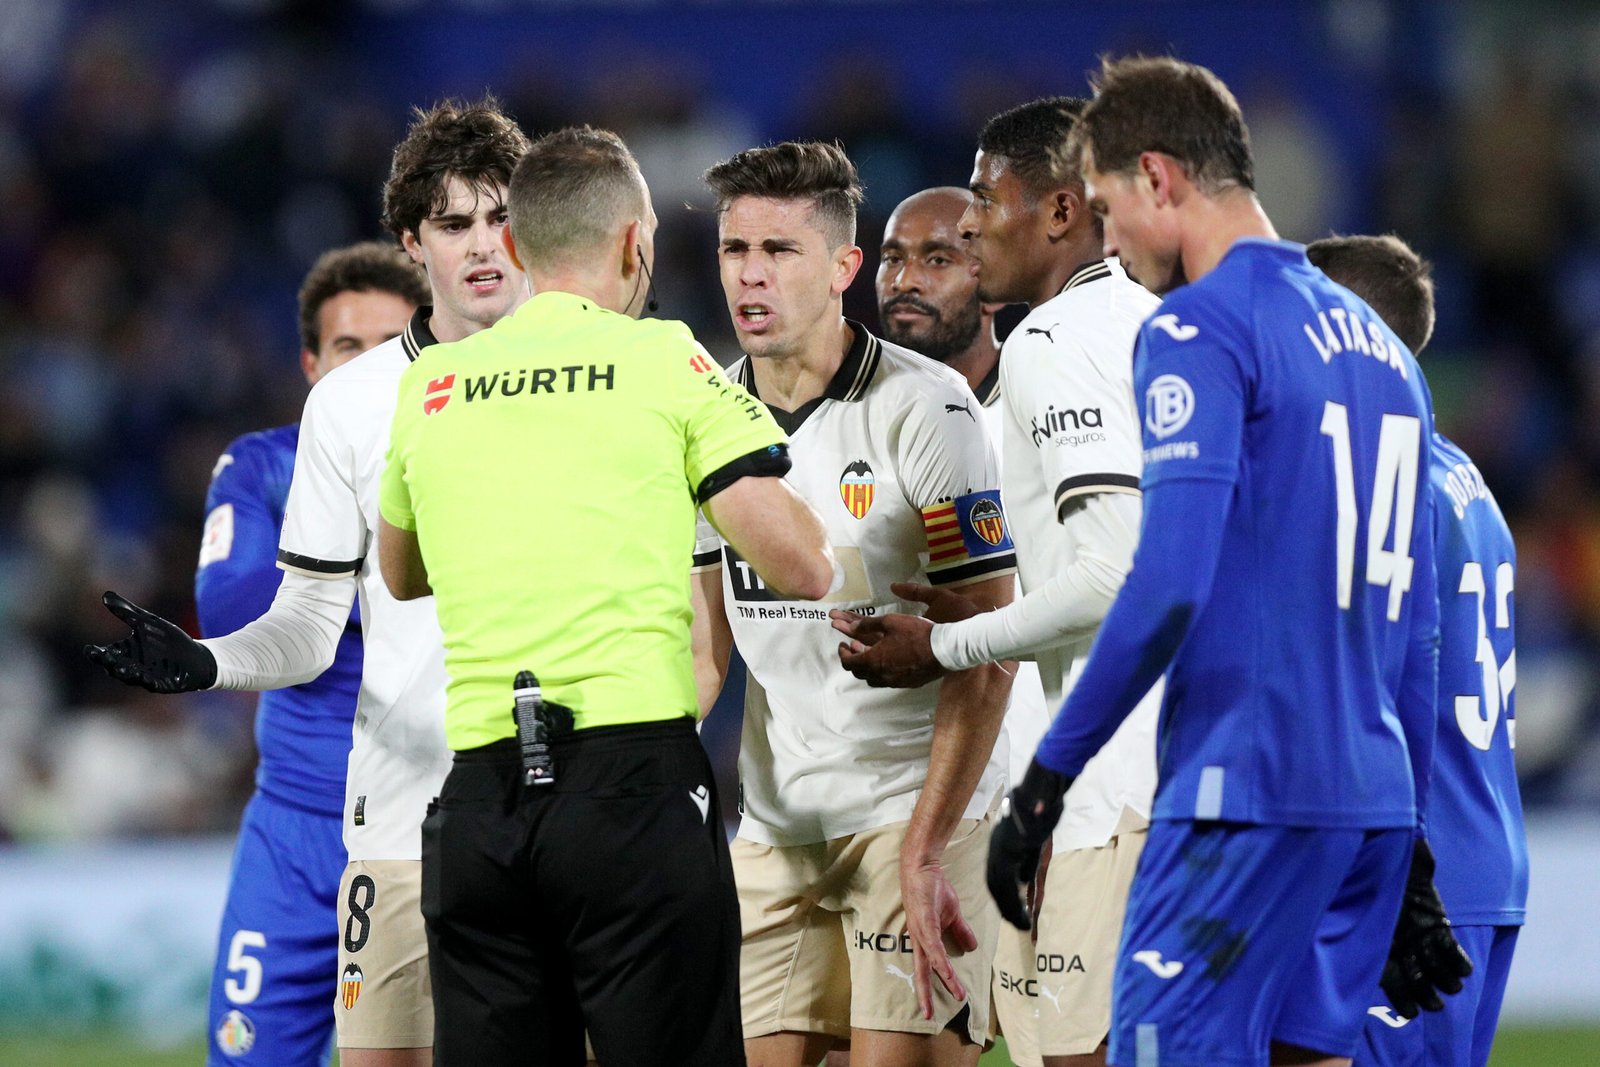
[1070,448]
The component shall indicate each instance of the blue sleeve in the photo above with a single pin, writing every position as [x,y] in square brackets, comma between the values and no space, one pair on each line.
[1416,703]
[238,573]
[1194,389]
[1180,542]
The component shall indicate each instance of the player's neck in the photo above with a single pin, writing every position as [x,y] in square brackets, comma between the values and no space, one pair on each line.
[1216,224]
[796,378]
[979,358]
[446,325]
[1074,251]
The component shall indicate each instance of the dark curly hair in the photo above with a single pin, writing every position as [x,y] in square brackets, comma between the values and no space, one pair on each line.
[360,268]
[1032,138]
[478,143]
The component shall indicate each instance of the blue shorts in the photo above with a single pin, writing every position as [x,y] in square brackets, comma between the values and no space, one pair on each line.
[1240,935]
[1460,1035]
[277,967]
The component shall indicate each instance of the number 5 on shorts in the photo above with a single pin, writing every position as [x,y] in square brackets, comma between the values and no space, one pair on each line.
[245,990]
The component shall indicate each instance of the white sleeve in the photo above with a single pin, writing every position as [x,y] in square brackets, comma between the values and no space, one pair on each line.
[295,641]
[1070,605]
[324,534]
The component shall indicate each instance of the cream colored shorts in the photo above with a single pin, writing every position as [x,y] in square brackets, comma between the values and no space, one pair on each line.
[1053,997]
[825,947]
[385,999]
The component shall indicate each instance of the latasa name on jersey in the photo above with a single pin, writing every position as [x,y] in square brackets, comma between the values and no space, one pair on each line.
[1465,484]
[1351,337]
[539,380]
[1058,422]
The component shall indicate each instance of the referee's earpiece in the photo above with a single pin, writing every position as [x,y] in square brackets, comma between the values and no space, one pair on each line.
[651,304]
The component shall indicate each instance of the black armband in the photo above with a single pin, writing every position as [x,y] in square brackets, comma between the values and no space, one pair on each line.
[770,462]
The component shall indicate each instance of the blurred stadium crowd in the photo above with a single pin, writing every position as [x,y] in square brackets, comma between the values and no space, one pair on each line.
[165,182]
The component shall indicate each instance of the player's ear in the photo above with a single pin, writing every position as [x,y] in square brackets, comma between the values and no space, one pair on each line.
[413,247]
[1160,173]
[308,365]
[846,262]
[632,249]
[1066,207]
[511,249]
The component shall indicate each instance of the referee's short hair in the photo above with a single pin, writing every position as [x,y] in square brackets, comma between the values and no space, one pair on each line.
[370,266]
[570,192]
[478,143]
[1386,273]
[813,170]
[1033,139]
[1160,104]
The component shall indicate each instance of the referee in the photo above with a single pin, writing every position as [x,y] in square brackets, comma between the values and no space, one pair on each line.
[541,484]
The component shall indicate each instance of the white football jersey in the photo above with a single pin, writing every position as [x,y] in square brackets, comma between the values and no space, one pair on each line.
[1072,429]
[1028,715]
[894,458]
[398,756]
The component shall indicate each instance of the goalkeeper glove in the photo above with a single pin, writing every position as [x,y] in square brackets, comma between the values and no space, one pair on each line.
[1027,816]
[1424,958]
[156,655]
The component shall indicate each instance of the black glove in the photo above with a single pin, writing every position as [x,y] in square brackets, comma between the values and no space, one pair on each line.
[1027,816]
[157,655]
[1424,958]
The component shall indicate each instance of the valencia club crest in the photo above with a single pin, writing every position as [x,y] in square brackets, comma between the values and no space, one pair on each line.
[855,488]
[987,521]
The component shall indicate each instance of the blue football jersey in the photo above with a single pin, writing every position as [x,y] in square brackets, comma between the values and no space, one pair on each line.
[1475,815]
[1286,445]
[303,732]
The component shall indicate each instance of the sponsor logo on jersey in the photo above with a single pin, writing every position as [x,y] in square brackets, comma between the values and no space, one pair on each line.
[216,544]
[855,488]
[236,1034]
[987,521]
[700,363]
[1169,322]
[1163,969]
[1383,1014]
[1168,405]
[437,394]
[1059,422]
[222,464]
[350,985]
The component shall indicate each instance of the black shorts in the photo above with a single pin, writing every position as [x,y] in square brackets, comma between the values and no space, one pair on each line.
[602,902]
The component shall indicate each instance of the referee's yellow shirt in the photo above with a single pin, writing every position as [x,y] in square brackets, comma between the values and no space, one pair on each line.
[548,466]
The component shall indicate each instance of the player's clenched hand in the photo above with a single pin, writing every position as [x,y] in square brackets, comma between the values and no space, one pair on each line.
[936,926]
[943,605]
[1027,816]
[156,654]
[887,650]
[1424,957]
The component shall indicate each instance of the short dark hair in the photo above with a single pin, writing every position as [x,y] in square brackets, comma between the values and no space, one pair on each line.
[568,192]
[1160,104]
[813,170]
[1386,273]
[371,266]
[1033,137]
[478,143]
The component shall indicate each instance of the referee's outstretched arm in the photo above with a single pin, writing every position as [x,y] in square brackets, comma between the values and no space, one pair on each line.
[772,527]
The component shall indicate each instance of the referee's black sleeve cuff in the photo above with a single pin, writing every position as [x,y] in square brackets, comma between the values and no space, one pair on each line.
[770,462]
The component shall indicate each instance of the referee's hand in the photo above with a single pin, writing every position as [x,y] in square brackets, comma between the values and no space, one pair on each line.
[156,655]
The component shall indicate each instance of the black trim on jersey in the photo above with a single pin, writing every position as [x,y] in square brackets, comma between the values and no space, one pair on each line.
[312,565]
[849,383]
[1084,484]
[770,462]
[708,559]
[988,390]
[416,335]
[1004,562]
[1092,271]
